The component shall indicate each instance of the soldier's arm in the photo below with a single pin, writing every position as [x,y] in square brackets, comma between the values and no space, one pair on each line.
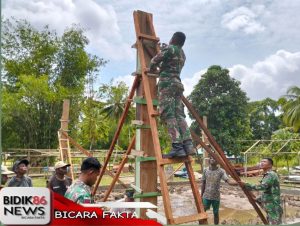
[263,186]
[162,55]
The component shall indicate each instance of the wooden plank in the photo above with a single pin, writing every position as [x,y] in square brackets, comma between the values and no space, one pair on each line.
[186,219]
[137,153]
[117,133]
[195,190]
[124,160]
[83,150]
[175,160]
[229,167]
[148,37]
[148,169]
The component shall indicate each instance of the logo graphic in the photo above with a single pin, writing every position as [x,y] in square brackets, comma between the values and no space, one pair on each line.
[25,205]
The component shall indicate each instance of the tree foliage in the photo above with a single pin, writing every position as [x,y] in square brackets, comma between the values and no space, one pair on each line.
[264,118]
[220,98]
[41,69]
[291,108]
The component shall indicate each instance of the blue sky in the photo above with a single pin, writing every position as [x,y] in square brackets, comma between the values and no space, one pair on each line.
[259,41]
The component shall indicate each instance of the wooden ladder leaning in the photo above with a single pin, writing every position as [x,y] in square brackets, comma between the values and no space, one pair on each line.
[63,139]
[146,37]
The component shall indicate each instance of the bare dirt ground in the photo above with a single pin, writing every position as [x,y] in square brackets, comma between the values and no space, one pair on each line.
[235,207]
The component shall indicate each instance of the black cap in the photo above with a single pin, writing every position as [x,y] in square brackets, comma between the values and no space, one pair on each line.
[18,162]
[90,163]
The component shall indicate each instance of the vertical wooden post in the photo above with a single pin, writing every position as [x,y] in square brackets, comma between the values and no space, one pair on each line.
[64,144]
[148,169]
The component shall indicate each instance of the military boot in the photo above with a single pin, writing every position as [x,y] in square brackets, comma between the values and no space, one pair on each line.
[177,151]
[189,147]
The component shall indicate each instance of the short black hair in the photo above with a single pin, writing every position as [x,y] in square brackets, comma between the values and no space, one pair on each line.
[270,160]
[90,163]
[178,38]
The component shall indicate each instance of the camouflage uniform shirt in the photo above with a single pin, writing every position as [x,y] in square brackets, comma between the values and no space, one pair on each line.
[170,61]
[170,89]
[79,192]
[270,198]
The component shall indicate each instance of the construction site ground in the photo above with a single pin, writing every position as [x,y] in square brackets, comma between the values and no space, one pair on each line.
[234,209]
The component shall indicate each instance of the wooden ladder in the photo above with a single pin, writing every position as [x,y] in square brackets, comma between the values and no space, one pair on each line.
[63,139]
[145,35]
[65,151]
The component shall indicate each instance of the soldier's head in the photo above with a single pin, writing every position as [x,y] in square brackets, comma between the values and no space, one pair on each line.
[90,169]
[266,163]
[178,39]
[61,168]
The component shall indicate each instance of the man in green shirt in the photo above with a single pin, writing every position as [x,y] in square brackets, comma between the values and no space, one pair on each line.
[270,187]
[80,190]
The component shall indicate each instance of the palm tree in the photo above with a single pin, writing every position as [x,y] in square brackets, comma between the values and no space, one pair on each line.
[115,101]
[291,108]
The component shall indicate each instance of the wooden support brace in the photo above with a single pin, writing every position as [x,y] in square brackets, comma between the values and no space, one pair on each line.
[229,167]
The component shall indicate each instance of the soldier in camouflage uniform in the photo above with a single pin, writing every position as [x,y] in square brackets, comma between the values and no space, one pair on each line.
[270,198]
[170,89]
[80,190]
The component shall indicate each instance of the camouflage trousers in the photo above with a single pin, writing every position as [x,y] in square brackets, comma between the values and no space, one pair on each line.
[172,114]
[274,213]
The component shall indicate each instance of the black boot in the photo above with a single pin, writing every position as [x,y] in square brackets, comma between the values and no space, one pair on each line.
[189,147]
[177,151]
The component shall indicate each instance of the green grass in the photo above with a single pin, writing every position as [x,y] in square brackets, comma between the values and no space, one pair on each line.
[39,182]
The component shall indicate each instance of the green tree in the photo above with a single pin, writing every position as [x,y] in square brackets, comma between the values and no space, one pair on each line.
[114,98]
[291,108]
[93,129]
[263,119]
[288,146]
[220,98]
[40,70]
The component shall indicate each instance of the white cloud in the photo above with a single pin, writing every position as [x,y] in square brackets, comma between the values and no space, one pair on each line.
[100,21]
[270,77]
[128,79]
[189,83]
[243,19]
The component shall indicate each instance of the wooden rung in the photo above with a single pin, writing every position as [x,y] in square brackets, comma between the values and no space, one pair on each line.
[150,74]
[137,122]
[175,160]
[63,139]
[137,153]
[148,37]
[186,219]
[155,113]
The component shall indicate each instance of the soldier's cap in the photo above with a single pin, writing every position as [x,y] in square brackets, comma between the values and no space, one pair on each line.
[5,171]
[18,162]
[60,164]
